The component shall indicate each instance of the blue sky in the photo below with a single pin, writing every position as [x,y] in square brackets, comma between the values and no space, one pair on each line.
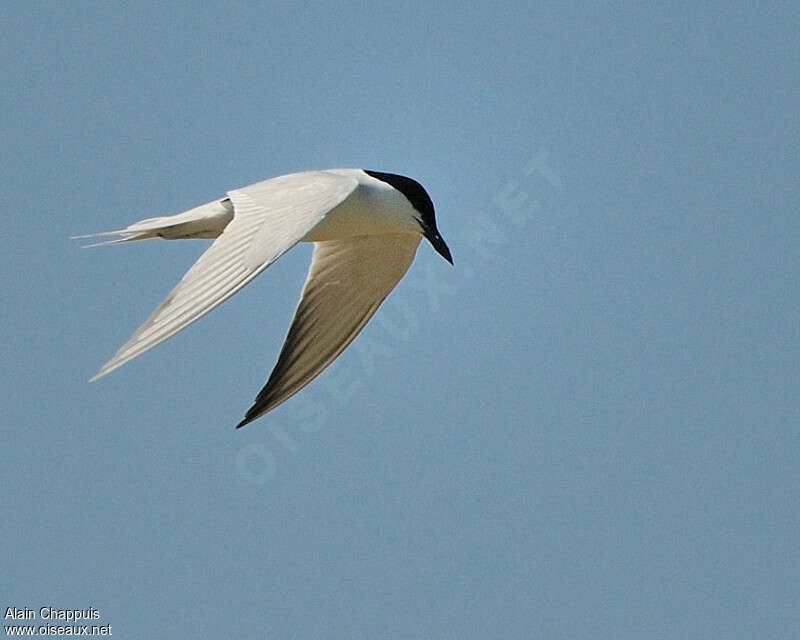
[585,428]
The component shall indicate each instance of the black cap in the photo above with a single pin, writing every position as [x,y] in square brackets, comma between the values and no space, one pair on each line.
[415,193]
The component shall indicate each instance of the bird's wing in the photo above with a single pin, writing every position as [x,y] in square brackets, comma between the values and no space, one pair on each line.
[347,281]
[269,218]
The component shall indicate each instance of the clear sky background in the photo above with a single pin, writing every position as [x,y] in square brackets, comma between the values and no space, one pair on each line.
[586,428]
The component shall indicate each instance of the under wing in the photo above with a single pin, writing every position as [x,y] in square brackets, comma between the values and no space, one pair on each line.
[347,281]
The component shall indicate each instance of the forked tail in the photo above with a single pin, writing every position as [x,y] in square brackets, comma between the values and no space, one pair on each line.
[205,221]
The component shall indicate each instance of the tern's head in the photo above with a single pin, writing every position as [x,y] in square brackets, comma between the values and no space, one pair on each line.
[415,193]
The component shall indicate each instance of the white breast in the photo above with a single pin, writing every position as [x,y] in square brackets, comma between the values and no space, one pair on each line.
[374,207]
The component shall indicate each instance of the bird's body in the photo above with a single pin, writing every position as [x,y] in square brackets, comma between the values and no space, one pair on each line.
[366,226]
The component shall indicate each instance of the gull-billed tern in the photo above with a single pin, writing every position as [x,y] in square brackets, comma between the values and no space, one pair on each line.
[365,226]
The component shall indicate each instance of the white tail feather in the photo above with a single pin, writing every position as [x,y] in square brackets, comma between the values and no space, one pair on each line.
[205,221]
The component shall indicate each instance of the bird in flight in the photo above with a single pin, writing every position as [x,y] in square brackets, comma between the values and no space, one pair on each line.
[365,226]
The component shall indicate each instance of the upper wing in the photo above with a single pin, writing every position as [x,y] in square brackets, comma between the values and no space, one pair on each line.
[347,281]
[269,218]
